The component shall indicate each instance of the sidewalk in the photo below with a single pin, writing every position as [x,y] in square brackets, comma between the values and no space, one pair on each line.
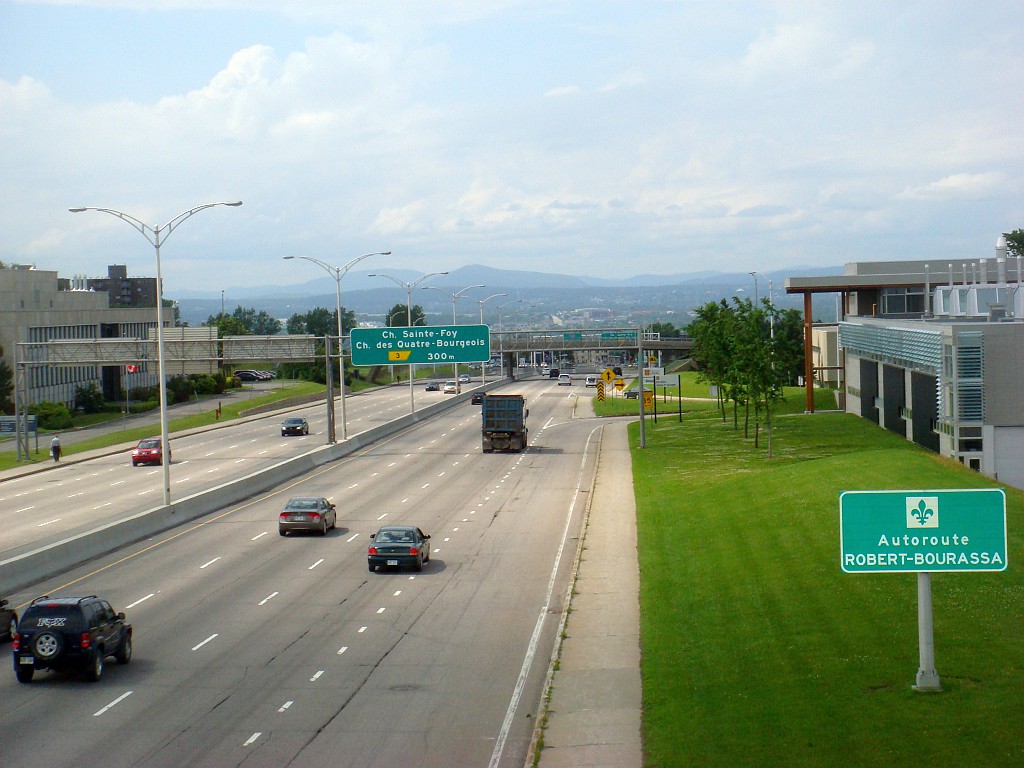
[593,716]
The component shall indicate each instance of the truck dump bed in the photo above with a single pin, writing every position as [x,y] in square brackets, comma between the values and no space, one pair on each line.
[504,422]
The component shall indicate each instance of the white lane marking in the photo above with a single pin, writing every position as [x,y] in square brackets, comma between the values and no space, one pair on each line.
[424,486]
[440,474]
[184,479]
[285,706]
[397,593]
[252,738]
[232,446]
[379,518]
[362,629]
[140,600]
[405,499]
[314,565]
[48,522]
[209,563]
[116,482]
[258,536]
[143,493]
[352,538]
[316,677]
[531,650]
[210,453]
[268,598]
[197,647]
[239,461]
[101,506]
[212,470]
[455,528]
[447,538]
[262,452]
[342,649]
[380,610]
[352,486]
[80,493]
[116,701]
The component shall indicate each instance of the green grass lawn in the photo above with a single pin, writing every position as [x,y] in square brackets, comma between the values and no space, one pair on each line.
[759,650]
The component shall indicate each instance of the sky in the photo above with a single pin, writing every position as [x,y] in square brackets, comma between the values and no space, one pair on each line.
[606,138]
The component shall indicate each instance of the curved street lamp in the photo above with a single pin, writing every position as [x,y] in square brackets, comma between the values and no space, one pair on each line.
[156,236]
[455,296]
[337,273]
[408,306]
[483,367]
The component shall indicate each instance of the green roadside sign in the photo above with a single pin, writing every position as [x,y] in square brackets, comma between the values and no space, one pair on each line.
[606,335]
[421,345]
[922,531]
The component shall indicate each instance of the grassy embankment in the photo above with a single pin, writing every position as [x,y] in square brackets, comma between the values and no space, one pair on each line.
[759,650]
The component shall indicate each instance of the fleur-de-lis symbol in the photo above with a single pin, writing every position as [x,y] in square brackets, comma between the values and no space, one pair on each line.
[922,512]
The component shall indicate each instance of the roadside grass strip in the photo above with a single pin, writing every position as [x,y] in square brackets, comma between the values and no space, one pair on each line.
[758,650]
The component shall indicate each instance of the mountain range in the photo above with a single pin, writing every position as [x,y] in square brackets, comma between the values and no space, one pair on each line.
[369,295]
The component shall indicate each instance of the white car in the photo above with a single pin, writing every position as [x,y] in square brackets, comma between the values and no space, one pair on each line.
[591,381]
[451,387]
[564,379]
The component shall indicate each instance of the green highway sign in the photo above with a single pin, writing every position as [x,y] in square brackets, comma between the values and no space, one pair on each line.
[631,335]
[572,337]
[922,531]
[421,345]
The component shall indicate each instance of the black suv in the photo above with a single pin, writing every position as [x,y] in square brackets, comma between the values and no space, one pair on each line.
[70,633]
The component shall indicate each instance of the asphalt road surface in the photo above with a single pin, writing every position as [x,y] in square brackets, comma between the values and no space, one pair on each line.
[256,650]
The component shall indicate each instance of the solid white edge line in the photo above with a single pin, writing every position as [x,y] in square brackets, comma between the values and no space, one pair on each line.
[531,648]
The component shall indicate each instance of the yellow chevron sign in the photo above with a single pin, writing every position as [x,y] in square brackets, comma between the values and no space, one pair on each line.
[398,355]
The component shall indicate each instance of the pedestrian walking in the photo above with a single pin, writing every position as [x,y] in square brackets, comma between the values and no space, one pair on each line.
[55,447]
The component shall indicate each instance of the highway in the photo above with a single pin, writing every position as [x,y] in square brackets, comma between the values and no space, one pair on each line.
[72,496]
[257,650]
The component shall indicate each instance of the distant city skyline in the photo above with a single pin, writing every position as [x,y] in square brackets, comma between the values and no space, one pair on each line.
[595,138]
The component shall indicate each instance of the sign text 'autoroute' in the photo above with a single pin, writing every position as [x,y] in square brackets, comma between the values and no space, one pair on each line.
[421,345]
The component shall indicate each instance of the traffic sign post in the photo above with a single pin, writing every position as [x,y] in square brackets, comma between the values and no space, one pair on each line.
[921,532]
[421,345]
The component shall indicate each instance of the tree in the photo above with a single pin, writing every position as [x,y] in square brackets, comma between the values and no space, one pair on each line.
[227,325]
[1014,243]
[398,316]
[89,398]
[6,385]
[666,330]
[260,322]
[321,322]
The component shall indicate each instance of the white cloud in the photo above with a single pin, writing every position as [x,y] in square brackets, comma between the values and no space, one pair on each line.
[960,186]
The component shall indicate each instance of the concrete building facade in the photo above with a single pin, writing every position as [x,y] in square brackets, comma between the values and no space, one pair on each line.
[38,306]
[934,355]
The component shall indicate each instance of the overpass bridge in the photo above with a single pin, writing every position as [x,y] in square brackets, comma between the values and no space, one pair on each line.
[563,341]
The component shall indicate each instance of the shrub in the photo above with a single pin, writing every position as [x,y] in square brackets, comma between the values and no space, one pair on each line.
[89,398]
[52,415]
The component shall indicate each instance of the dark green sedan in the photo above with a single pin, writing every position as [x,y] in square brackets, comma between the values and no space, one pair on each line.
[398,546]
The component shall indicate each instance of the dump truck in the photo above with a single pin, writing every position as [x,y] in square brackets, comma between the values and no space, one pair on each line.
[504,423]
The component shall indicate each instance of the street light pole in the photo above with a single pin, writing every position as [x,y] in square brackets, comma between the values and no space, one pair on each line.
[455,296]
[337,273]
[408,308]
[156,236]
[483,367]
[754,275]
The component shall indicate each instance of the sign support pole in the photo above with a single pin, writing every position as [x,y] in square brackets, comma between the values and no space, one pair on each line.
[927,677]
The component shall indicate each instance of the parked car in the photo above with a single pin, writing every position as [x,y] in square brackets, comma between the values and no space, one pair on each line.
[591,381]
[477,398]
[247,375]
[70,633]
[294,425]
[313,514]
[8,620]
[432,386]
[564,379]
[149,451]
[398,546]
[633,394]
[452,387]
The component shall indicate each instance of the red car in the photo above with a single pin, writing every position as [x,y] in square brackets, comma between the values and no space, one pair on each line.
[148,451]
